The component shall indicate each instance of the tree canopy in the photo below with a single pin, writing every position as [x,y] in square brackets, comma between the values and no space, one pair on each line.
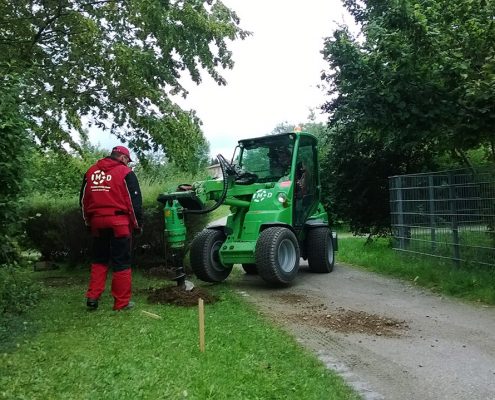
[424,74]
[116,65]
[418,82]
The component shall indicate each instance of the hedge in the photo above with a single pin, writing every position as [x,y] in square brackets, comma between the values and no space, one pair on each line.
[56,229]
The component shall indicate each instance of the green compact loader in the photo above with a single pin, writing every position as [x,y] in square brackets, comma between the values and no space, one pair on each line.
[273,189]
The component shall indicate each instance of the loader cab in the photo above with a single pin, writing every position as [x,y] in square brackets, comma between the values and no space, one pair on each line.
[306,195]
[290,157]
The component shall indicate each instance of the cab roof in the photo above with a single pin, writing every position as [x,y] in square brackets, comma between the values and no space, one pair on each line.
[280,138]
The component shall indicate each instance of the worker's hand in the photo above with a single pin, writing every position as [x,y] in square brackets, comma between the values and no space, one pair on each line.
[138,231]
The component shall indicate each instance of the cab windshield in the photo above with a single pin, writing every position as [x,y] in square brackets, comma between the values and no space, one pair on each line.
[269,157]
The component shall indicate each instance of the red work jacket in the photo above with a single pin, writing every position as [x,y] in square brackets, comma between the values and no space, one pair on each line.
[105,192]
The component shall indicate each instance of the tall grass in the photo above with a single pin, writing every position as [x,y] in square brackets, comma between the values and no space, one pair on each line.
[468,282]
[152,187]
[42,201]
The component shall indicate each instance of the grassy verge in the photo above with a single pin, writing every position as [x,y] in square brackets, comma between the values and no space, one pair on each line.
[76,354]
[467,282]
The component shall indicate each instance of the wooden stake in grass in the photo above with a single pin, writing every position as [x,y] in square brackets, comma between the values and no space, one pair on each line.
[155,316]
[201,313]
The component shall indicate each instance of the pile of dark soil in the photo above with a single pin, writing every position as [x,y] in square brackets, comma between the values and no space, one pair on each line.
[180,297]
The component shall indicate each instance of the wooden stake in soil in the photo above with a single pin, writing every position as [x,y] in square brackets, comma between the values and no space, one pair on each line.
[201,308]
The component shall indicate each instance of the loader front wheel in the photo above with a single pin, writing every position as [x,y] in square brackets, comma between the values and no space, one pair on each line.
[319,247]
[205,257]
[277,255]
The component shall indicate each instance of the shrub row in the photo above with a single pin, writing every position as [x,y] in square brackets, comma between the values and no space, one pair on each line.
[56,229]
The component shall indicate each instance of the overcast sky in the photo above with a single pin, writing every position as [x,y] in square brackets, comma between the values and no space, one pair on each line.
[275,76]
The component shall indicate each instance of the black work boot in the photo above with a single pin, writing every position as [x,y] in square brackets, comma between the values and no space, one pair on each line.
[92,304]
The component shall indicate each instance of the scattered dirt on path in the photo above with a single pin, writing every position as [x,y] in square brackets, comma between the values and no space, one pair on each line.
[387,338]
[349,321]
[292,298]
[180,297]
[340,320]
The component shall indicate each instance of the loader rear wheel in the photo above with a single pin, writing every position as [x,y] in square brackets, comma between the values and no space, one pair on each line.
[319,248]
[205,258]
[250,269]
[277,255]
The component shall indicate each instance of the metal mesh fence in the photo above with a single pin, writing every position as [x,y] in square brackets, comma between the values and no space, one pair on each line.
[449,214]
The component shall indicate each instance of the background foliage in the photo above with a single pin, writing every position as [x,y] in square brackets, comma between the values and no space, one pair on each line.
[418,83]
[116,66]
[67,66]
[413,91]
[14,147]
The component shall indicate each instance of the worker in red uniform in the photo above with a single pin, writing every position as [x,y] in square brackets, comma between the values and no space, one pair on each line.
[112,208]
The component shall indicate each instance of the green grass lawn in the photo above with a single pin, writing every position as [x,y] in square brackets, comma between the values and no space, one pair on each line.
[474,283]
[473,246]
[69,353]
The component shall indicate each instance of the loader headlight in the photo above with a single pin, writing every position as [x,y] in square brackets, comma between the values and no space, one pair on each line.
[282,198]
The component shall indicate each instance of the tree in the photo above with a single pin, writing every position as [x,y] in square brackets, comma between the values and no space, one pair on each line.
[14,147]
[423,75]
[418,84]
[354,179]
[115,64]
[59,174]
[283,127]
[317,129]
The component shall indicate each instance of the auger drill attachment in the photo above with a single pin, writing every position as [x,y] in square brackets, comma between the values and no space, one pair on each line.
[175,231]
[188,199]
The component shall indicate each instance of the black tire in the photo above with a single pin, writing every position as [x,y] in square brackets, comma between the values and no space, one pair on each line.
[277,255]
[250,269]
[320,251]
[204,257]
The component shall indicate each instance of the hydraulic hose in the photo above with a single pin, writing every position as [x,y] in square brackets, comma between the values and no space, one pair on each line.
[224,166]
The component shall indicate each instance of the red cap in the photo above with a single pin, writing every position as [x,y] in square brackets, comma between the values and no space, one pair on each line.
[122,150]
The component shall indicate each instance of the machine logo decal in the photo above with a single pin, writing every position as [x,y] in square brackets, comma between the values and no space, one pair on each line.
[261,195]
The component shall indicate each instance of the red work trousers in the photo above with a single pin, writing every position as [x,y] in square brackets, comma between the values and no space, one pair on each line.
[111,248]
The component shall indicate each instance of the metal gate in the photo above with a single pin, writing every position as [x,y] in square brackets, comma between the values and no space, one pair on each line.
[448,214]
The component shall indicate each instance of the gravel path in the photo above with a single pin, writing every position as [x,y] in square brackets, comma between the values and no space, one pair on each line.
[387,338]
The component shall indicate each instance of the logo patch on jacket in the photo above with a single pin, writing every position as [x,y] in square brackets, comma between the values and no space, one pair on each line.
[98,178]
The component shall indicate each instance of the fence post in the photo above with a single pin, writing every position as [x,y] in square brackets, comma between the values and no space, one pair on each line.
[400,214]
[455,227]
[431,203]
